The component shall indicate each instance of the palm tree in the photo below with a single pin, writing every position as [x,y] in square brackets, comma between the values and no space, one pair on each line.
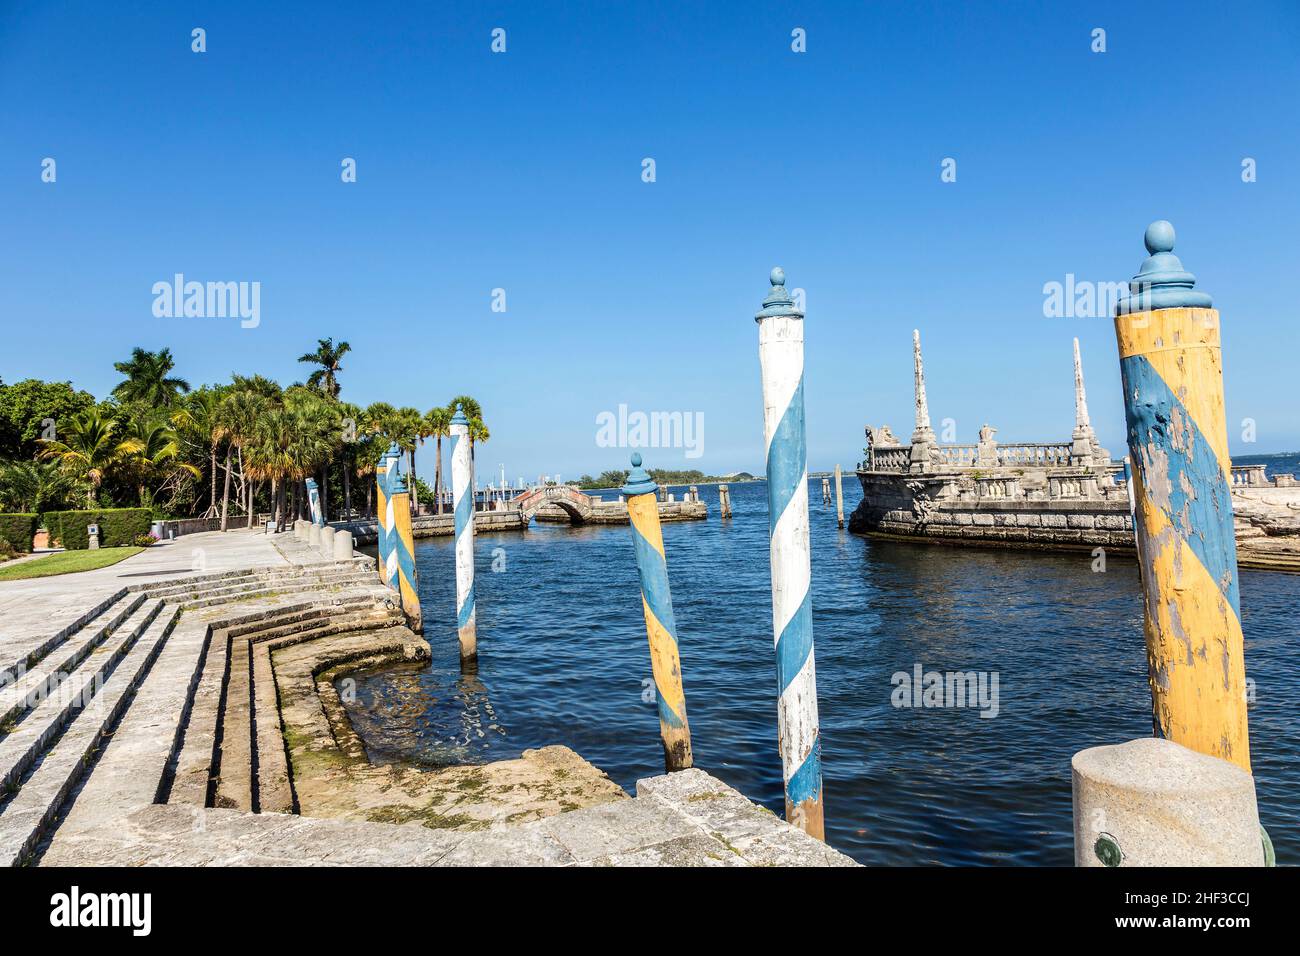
[200,416]
[327,356]
[237,424]
[157,447]
[28,486]
[347,412]
[437,424]
[410,433]
[147,379]
[88,448]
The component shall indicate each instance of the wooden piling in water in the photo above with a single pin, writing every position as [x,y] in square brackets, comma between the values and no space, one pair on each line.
[1171,365]
[724,501]
[839,496]
[660,624]
[780,353]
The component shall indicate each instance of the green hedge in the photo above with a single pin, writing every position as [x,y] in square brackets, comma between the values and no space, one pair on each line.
[117,526]
[18,530]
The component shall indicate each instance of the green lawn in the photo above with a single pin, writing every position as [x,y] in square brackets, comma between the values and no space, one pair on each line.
[65,562]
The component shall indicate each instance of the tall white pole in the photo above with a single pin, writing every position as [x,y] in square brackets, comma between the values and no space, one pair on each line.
[780,354]
[463,496]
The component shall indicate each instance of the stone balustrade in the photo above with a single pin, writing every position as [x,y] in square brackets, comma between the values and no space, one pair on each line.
[1249,475]
[1035,455]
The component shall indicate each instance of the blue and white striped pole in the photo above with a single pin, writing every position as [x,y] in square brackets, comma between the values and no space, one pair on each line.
[313,502]
[780,354]
[463,496]
[388,530]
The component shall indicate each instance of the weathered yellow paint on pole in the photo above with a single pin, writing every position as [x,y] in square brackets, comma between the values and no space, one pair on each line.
[403,543]
[660,623]
[1171,364]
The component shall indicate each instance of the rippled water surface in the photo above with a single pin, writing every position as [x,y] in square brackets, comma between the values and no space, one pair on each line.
[563,659]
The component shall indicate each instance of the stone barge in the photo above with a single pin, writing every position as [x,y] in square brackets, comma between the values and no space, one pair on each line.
[1060,496]
[1056,496]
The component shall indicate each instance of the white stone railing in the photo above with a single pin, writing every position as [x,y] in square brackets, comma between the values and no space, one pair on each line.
[1035,454]
[1249,476]
[958,456]
[893,458]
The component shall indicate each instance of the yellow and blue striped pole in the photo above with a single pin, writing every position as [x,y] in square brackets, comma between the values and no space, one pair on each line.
[402,544]
[463,498]
[780,353]
[1172,370]
[660,625]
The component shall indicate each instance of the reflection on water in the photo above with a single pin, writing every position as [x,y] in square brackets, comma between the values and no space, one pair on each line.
[562,657]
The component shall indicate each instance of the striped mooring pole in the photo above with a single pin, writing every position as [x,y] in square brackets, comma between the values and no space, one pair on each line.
[463,496]
[1172,370]
[313,502]
[780,354]
[402,548]
[660,624]
[388,549]
[381,516]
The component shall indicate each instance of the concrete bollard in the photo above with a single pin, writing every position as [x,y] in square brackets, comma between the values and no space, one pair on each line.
[313,536]
[660,624]
[1171,366]
[724,501]
[327,541]
[826,491]
[1152,802]
[402,542]
[463,493]
[343,546]
[780,354]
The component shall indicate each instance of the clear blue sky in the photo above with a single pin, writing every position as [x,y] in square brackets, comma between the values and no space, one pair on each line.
[523,171]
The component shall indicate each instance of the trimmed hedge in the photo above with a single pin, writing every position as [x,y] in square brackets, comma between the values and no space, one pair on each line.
[118,527]
[18,529]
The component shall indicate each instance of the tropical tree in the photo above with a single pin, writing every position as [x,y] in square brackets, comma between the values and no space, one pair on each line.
[156,449]
[32,486]
[409,427]
[327,356]
[437,424]
[89,446]
[199,417]
[149,380]
[237,424]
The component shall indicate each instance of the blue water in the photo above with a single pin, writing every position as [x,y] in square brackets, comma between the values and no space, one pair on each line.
[563,657]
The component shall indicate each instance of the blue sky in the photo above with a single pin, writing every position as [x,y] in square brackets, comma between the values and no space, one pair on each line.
[522,171]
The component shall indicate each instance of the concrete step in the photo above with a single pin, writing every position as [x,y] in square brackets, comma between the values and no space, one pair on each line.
[25,744]
[266,591]
[26,690]
[231,584]
[27,817]
[251,698]
[133,767]
[12,669]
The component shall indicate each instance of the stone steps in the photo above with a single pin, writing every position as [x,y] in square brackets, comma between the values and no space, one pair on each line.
[24,819]
[253,580]
[25,744]
[251,703]
[13,669]
[25,690]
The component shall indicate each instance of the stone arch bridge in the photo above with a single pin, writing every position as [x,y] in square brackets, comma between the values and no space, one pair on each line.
[569,499]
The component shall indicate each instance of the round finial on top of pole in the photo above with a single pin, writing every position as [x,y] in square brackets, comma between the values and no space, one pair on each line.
[639,481]
[1162,282]
[1159,237]
[778,301]
[459,418]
